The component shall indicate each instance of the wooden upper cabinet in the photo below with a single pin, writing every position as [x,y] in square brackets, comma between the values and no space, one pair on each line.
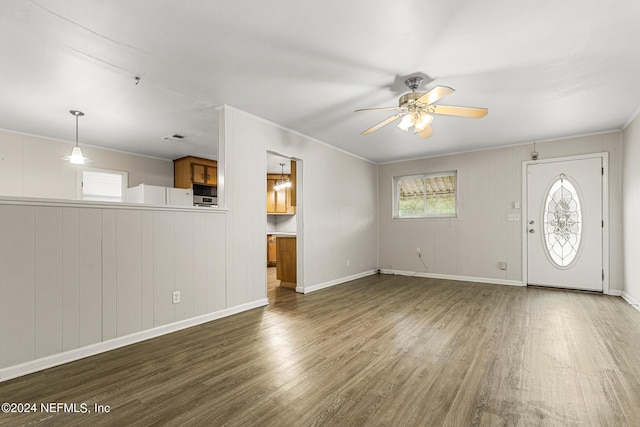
[203,174]
[194,170]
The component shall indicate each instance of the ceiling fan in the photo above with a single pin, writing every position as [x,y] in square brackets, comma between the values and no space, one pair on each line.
[417,109]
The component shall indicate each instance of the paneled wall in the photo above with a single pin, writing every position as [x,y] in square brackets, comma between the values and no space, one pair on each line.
[489,185]
[75,275]
[631,197]
[336,223]
[32,166]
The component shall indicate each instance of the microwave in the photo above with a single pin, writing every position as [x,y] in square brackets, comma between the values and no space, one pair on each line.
[205,190]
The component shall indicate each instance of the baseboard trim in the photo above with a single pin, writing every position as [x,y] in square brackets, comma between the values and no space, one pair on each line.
[613,293]
[631,300]
[104,346]
[309,289]
[454,277]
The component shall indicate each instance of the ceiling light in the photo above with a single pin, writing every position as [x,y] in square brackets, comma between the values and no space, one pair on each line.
[422,121]
[283,183]
[76,156]
[406,122]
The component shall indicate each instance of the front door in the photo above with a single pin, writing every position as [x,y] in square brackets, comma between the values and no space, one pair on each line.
[565,223]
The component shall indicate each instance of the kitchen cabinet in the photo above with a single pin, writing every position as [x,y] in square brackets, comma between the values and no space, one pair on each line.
[279,202]
[194,170]
[271,251]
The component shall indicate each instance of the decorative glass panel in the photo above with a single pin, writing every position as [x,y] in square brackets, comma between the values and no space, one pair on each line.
[562,222]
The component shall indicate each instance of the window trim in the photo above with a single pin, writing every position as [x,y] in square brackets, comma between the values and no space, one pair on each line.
[396,195]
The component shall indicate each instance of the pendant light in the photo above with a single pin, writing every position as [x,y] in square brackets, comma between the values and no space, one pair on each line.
[282,184]
[76,156]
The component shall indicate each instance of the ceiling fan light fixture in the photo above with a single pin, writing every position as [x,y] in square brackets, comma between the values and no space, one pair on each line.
[406,122]
[422,121]
[416,109]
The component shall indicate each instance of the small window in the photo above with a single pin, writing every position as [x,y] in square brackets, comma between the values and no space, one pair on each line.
[105,186]
[430,195]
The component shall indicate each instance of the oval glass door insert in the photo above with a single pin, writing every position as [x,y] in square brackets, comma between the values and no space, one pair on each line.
[562,222]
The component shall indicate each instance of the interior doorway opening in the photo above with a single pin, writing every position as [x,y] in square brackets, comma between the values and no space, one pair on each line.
[283,226]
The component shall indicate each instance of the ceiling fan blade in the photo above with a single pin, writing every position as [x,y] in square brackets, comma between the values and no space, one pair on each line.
[379,109]
[449,110]
[435,94]
[382,123]
[426,132]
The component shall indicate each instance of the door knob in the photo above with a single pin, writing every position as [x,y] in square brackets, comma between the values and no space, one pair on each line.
[531,230]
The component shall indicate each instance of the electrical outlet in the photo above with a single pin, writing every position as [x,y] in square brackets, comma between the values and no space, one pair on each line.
[418,251]
[176,297]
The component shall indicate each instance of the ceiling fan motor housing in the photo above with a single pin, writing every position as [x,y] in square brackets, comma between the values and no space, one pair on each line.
[408,97]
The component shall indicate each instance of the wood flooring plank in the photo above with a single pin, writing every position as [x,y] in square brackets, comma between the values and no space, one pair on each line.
[378,351]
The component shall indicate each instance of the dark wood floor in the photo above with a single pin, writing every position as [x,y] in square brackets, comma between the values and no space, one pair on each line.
[383,350]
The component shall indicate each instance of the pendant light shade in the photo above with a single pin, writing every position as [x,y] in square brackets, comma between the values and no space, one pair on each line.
[282,184]
[76,156]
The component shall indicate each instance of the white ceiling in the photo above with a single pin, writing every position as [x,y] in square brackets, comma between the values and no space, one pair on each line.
[545,69]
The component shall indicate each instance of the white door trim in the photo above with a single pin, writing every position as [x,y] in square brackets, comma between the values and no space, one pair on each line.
[605,212]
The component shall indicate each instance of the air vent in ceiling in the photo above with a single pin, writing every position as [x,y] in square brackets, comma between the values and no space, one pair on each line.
[175,137]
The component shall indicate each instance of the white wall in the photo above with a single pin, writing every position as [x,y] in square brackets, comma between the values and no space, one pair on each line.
[631,208]
[281,224]
[489,182]
[77,275]
[336,205]
[32,166]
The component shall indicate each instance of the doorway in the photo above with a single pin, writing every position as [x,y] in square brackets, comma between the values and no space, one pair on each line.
[283,209]
[564,242]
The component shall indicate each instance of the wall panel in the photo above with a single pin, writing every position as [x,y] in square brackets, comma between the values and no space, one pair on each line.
[129,272]
[90,275]
[48,281]
[147,268]
[184,265]
[109,274]
[201,257]
[70,278]
[163,267]
[217,278]
[17,311]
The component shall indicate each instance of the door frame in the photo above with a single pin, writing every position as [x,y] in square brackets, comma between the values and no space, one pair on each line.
[605,212]
[299,218]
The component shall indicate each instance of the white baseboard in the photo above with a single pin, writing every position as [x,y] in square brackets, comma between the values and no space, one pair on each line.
[613,293]
[453,277]
[308,289]
[101,347]
[631,300]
